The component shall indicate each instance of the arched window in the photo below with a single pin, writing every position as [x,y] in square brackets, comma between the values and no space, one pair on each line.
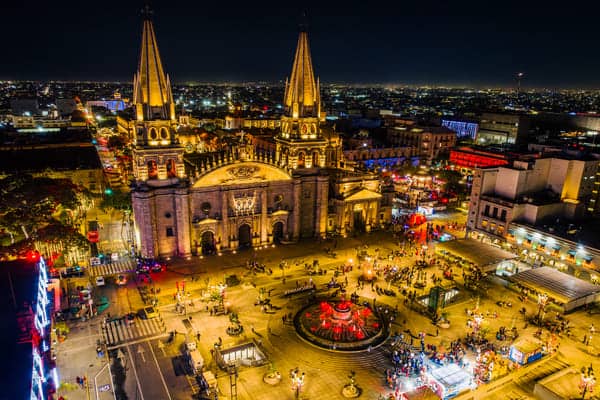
[153,134]
[171,168]
[164,133]
[301,160]
[152,169]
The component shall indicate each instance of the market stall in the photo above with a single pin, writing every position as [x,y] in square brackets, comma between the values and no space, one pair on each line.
[449,380]
[525,351]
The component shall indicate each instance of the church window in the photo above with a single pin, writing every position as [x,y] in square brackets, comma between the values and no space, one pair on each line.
[301,160]
[170,232]
[152,134]
[164,133]
[171,168]
[167,215]
[152,169]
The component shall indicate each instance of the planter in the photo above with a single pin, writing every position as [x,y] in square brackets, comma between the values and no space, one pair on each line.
[350,391]
[272,378]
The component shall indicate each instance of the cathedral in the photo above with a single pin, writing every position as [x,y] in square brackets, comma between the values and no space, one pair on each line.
[186,203]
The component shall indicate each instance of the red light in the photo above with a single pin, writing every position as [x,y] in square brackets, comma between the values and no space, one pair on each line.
[33,256]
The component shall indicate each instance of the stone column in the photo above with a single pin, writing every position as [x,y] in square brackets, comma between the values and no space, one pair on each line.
[264,218]
[296,211]
[224,219]
[182,221]
[321,206]
[145,224]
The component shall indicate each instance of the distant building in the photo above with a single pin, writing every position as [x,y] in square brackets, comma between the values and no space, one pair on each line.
[463,129]
[76,161]
[66,106]
[470,158]
[23,106]
[529,192]
[429,141]
[502,129]
[113,105]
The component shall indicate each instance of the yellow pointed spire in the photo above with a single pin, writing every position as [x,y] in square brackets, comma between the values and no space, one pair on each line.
[302,97]
[152,94]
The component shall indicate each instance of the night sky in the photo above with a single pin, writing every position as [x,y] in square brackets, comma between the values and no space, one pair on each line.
[460,42]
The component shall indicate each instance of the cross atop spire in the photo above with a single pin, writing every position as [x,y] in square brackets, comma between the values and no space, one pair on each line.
[152,94]
[147,11]
[303,24]
[302,97]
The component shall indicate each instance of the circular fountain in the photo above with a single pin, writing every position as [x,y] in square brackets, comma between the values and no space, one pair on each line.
[340,325]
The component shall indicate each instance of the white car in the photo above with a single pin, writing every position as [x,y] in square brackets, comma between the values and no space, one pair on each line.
[100,281]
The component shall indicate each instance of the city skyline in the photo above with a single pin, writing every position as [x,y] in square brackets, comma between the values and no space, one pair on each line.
[429,44]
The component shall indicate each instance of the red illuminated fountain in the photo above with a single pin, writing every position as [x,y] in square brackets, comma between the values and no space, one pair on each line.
[341,325]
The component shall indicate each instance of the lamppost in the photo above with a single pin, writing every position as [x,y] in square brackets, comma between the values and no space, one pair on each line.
[297,382]
[542,302]
[587,382]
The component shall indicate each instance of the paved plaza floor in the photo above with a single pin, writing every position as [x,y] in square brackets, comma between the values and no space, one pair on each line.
[154,367]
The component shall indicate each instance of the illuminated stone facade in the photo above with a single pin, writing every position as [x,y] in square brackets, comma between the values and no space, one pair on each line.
[244,195]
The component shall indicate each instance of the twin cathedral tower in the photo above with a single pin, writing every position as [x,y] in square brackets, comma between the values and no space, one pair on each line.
[246,196]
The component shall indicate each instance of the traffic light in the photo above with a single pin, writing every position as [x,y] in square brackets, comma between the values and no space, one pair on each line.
[108,191]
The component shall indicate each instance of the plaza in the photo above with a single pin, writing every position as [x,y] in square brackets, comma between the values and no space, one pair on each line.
[156,365]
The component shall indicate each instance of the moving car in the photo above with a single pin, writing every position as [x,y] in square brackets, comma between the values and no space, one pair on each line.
[100,281]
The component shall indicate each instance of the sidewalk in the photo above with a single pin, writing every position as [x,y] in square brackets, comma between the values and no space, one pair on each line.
[77,357]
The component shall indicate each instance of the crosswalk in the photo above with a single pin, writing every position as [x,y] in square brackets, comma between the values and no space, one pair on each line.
[115,268]
[120,332]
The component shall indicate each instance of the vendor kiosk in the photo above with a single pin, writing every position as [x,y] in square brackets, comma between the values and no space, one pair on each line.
[525,351]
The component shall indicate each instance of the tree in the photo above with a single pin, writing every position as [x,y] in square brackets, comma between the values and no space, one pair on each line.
[28,203]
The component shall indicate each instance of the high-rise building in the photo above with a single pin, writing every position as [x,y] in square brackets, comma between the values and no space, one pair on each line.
[246,194]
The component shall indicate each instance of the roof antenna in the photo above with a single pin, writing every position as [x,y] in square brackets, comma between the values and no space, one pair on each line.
[303,24]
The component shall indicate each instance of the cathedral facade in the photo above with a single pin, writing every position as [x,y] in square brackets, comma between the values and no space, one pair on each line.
[244,196]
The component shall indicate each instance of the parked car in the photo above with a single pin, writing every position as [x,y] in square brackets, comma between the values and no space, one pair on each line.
[148,312]
[157,267]
[100,281]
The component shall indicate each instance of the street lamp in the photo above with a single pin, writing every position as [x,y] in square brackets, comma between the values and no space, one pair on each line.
[297,382]
[587,382]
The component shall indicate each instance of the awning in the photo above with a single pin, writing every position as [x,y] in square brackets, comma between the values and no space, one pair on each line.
[528,237]
[588,258]
[572,252]
[556,247]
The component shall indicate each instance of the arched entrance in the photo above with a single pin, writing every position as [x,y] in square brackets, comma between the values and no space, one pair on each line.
[359,219]
[277,232]
[208,243]
[244,236]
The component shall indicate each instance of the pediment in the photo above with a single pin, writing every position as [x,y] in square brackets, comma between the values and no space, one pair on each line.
[363,194]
